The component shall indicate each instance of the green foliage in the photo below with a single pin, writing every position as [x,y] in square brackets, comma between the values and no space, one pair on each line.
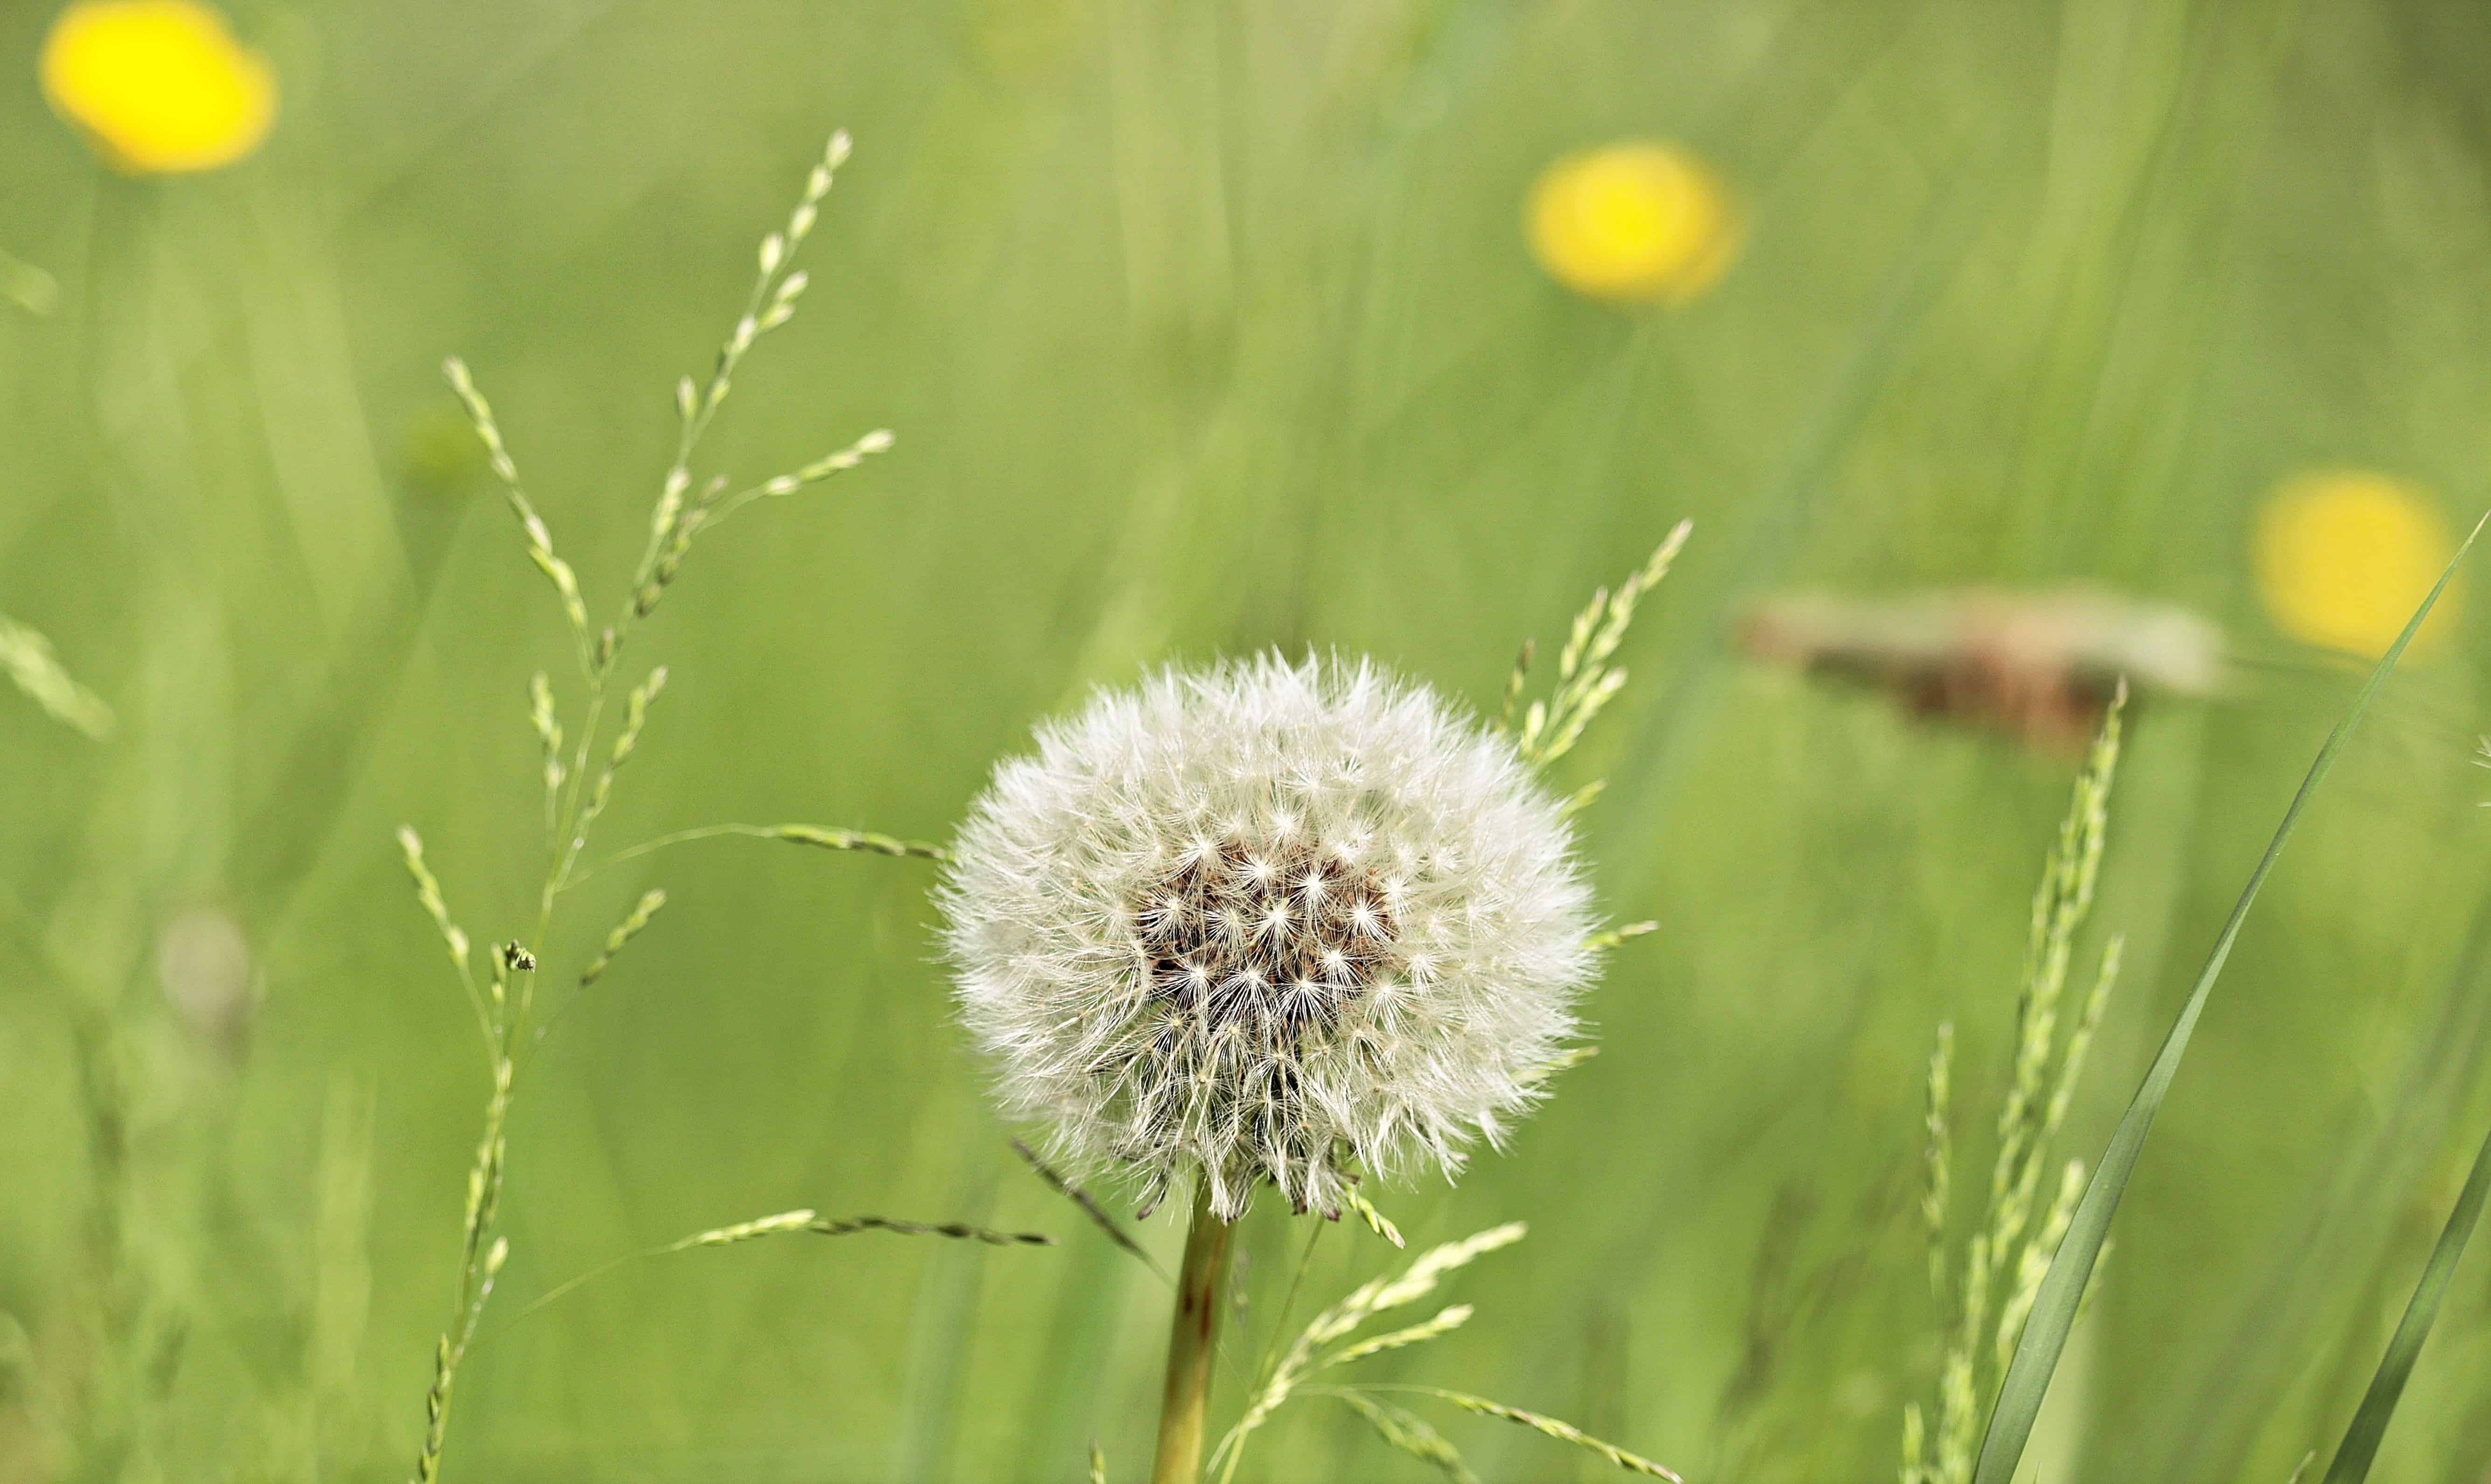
[2007,1252]
[1212,330]
[2059,1299]
[507,1014]
[2369,1425]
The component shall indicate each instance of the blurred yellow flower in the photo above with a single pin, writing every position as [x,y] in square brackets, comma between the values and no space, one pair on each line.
[2342,558]
[157,86]
[1636,221]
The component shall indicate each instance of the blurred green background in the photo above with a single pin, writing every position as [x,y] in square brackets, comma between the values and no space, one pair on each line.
[1207,328]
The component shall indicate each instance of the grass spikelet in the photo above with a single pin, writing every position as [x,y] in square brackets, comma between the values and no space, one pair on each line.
[857,839]
[819,837]
[1416,1282]
[2008,1253]
[627,742]
[428,896]
[507,1011]
[635,716]
[1376,1221]
[804,1221]
[1563,1432]
[1583,798]
[624,932]
[1615,936]
[2060,906]
[1586,682]
[2026,1279]
[1514,683]
[771,305]
[879,441]
[1937,1157]
[1565,1061]
[1090,1207]
[1404,1431]
[957,1230]
[1304,1356]
[1430,1269]
[1098,1465]
[744,1231]
[475,1289]
[1450,1319]
[2072,1061]
[532,526]
[28,659]
[540,715]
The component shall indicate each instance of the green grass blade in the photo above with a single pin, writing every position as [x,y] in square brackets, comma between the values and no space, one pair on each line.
[2235,1385]
[2361,1444]
[2054,1308]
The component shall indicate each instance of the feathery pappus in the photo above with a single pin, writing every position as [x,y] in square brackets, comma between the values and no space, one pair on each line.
[1268,921]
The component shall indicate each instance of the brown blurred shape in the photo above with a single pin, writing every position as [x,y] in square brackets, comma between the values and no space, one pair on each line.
[2040,666]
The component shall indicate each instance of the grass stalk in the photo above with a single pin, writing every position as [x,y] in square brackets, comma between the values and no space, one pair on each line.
[507,1016]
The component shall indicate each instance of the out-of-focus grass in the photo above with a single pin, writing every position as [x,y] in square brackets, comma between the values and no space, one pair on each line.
[1205,334]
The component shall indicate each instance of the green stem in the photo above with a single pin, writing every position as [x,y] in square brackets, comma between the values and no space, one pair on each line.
[1201,1289]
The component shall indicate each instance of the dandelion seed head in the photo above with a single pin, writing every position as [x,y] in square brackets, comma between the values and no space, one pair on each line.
[1268,923]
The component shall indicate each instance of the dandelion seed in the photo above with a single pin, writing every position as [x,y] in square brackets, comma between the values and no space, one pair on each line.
[158,87]
[2341,558]
[1361,967]
[1634,223]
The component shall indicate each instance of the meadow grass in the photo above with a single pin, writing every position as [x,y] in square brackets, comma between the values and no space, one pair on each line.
[2058,1299]
[1207,335]
[505,1007]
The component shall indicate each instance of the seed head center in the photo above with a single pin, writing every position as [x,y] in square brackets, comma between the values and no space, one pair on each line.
[1273,940]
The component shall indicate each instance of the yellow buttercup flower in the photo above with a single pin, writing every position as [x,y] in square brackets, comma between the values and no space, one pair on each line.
[2343,557]
[1632,222]
[157,86]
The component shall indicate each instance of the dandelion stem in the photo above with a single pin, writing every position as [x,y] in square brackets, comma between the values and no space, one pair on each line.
[1201,1287]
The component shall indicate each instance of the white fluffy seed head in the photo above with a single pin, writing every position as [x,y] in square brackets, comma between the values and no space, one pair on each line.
[1268,922]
